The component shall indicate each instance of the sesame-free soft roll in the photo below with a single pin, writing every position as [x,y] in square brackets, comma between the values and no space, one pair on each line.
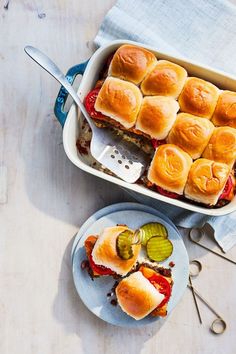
[105,251]
[137,296]
[119,100]
[166,79]
[131,63]
[225,112]
[157,115]
[222,146]
[199,97]
[169,168]
[191,133]
[206,181]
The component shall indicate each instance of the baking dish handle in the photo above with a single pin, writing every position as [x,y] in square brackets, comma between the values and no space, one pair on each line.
[63,94]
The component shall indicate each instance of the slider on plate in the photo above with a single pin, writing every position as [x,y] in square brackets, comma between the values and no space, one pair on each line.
[156,116]
[144,292]
[222,146]
[225,112]
[131,63]
[169,168]
[166,79]
[102,253]
[191,133]
[199,97]
[206,181]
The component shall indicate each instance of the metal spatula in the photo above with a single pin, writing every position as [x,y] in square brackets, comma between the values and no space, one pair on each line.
[122,158]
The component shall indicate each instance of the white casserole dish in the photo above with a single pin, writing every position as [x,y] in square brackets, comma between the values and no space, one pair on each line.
[90,76]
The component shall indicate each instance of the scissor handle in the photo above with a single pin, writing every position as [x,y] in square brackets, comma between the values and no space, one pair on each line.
[218,326]
[195,234]
[197,266]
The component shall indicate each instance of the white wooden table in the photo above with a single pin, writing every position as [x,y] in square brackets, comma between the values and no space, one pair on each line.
[44,199]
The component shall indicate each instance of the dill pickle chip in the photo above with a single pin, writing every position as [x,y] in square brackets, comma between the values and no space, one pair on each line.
[159,248]
[124,244]
[152,229]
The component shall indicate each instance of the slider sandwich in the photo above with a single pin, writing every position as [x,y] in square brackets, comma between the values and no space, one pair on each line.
[225,112]
[206,181]
[102,253]
[145,292]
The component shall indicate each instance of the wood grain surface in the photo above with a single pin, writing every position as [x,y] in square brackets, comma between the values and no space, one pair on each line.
[44,200]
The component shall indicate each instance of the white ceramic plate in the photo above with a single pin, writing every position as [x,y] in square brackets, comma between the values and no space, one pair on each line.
[94,293]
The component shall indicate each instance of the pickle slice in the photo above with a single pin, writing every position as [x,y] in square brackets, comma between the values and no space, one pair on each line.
[152,229]
[159,248]
[124,244]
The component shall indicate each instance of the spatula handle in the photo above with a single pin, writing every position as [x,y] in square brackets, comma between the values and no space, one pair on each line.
[47,64]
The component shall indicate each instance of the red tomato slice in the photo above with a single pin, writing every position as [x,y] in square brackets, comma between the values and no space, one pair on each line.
[99,269]
[162,286]
[167,194]
[156,143]
[89,103]
[227,189]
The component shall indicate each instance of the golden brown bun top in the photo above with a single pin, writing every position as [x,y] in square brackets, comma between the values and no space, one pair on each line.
[157,115]
[137,296]
[120,100]
[169,168]
[198,97]
[222,146]
[191,133]
[105,252]
[132,63]
[225,113]
[166,79]
[206,181]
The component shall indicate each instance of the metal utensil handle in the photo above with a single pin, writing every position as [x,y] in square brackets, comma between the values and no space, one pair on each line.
[47,64]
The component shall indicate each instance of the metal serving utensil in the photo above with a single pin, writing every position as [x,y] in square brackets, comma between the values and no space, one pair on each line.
[218,326]
[124,159]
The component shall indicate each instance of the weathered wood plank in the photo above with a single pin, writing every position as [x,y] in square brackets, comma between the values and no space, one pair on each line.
[44,199]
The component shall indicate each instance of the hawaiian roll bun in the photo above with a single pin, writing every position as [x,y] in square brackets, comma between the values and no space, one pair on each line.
[105,253]
[131,63]
[191,133]
[166,79]
[137,296]
[206,181]
[222,146]
[199,97]
[156,116]
[169,168]
[225,112]
[119,100]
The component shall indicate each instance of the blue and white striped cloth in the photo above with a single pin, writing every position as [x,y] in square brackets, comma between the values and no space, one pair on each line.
[202,30]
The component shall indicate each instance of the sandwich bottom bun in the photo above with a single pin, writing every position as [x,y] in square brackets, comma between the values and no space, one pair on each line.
[137,296]
[105,252]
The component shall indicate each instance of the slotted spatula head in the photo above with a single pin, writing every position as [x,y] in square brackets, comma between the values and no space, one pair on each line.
[122,158]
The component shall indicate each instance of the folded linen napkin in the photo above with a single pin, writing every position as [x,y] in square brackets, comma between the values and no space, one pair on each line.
[204,31]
